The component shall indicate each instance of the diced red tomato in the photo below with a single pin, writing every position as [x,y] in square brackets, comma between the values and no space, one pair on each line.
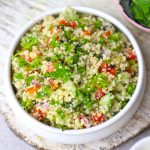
[99,93]
[98,117]
[50,67]
[131,55]
[106,34]
[62,22]
[87,32]
[71,24]
[80,117]
[112,71]
[30,59]
[104,68]
[54,84]
[39,114]
[33,89]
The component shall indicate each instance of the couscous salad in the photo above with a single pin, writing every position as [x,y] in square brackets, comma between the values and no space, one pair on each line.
[74,70]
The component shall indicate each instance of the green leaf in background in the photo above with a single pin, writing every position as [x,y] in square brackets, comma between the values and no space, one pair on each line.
[140,10]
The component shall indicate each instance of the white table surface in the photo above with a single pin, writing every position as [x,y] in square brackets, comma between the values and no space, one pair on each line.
[9,141]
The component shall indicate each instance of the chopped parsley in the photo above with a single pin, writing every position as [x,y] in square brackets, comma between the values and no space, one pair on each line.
[28,41]
[97,24]
[54,43]
[18,76]
[22,62]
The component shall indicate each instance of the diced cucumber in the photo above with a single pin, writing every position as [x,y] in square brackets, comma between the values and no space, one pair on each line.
[106,103]
[69,14]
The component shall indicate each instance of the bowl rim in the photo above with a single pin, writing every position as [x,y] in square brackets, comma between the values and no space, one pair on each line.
[140,143]
[131,20]
[14,104]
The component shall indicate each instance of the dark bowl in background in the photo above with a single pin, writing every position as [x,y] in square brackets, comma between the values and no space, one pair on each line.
[124,6]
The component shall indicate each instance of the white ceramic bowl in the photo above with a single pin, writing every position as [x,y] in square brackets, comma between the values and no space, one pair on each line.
[143,144]
[82,135]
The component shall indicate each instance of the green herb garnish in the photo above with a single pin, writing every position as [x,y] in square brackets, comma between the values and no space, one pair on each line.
[130,89]
[54,43]
[81,69]
[54,102]
[35,63]
[46,91]
[97,24]
[61,72]
[68,47]
[28,41]
[97,81]
[68,34]
[85,40]
[61,114]
[27,105]
[18,76]
[115,37]
[29,79]
[22,62]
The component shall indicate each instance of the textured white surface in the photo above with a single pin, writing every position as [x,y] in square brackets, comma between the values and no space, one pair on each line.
[8,141]
[13,15]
